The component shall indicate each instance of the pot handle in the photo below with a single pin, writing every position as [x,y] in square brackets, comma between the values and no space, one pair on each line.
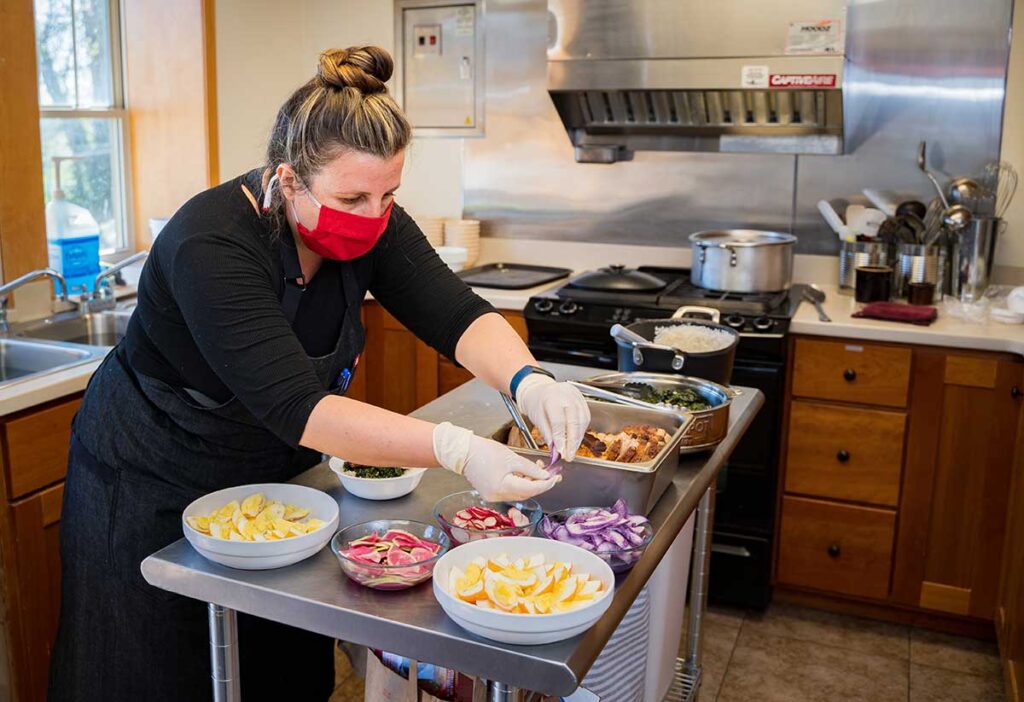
[704,246]
[639,343]
[713,314]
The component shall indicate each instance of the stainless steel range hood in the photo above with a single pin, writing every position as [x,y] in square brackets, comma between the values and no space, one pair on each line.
[696,75]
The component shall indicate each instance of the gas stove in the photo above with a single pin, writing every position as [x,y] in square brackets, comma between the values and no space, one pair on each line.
[573,321]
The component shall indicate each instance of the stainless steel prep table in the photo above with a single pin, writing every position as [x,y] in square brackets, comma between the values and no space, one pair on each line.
[315,594]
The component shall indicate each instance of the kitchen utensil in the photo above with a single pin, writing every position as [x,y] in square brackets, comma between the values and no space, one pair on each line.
[913,207]
[866,253]
[377,488]
[874,283]
[835,221]
[384,576]
[813,294]
[922,163]
[520,422]
[648,356]
[975,254]
[511,276]
[263,555]
[448,506]
[600,393]
[917,263]
[965,191]
[932,222]
[882,201]
[1001,178]
[709,426]
[594,481]
[523,629]
[742,260]
[864,221]
[921,293]
[956,217]
[640,346]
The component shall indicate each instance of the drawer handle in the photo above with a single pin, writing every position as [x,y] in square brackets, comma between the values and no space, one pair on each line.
[1015,392]
[849,375]
[834,550]
[843,456]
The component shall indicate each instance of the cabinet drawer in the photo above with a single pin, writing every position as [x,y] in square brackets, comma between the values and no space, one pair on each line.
[836,548]
[846,453]
[35,447]
[851,372]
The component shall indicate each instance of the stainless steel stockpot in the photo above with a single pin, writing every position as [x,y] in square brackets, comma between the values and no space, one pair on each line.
[742,260]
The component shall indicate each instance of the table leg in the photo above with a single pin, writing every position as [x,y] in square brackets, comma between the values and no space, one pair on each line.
[699,583]
[223,624]
[500,692]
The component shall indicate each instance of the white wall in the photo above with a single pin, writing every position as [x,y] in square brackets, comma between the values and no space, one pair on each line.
[265,51]
[1010,249]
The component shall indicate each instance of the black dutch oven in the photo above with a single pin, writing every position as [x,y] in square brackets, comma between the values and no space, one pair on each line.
[638,352]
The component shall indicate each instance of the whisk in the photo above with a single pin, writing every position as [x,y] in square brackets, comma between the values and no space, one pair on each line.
[1001,178]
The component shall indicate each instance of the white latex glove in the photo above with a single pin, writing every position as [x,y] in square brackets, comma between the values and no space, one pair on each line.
[497,473]
[558,410]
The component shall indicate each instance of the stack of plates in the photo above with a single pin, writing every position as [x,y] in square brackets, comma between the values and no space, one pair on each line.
[464,233]
[432,228]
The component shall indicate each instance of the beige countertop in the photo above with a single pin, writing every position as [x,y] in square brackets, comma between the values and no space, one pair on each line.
[945,331]
[36,391]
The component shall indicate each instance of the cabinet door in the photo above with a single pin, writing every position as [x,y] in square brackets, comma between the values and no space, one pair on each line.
[450,376]
[34,589]
[35,446]
[1010,603]
[960,443]
[400,370]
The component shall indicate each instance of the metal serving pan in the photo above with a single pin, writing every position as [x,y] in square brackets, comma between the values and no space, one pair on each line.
[593,482]
[708,427]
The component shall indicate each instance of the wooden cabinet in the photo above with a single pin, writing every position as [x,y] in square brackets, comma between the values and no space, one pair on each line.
[907,450]
[845,453]
[961,438]
[836,547]
[399,371]
[1010,600]
[35,452]
[851,371]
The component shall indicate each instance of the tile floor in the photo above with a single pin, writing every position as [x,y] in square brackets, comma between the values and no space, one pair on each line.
[794,654]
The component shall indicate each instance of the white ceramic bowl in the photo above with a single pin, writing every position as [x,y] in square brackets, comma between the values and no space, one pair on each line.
[377,488]
[263,555]
[454,256]
[524,629]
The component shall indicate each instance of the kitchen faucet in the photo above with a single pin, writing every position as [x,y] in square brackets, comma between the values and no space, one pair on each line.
[102,297]
[6,288]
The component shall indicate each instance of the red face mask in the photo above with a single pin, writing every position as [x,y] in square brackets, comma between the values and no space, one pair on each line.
[338,235]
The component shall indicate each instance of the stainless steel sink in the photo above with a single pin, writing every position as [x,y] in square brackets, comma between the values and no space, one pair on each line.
[104,328]
[22,359]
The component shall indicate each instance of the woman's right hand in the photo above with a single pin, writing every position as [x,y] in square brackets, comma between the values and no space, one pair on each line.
[497,472]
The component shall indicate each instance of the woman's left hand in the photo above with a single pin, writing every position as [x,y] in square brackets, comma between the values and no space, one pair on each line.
[558,410]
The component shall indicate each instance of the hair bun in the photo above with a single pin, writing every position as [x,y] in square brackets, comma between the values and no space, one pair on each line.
[365,68]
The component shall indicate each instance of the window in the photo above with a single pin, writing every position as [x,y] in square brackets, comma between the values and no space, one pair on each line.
[82,111]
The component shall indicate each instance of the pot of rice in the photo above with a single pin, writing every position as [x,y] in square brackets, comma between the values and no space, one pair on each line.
[685,344]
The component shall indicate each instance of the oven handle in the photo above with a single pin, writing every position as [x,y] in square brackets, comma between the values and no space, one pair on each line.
[725,549]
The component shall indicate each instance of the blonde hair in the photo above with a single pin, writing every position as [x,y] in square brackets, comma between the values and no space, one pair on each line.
[345,106]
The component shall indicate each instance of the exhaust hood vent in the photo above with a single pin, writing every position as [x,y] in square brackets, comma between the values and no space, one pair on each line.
[621,82]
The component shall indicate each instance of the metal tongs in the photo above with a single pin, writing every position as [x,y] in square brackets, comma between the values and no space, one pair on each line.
[520,423]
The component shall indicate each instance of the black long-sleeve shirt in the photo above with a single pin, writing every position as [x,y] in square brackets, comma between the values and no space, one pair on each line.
[209,314]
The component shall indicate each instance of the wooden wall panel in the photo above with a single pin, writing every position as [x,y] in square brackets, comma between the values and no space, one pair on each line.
[22,220]
[170,105]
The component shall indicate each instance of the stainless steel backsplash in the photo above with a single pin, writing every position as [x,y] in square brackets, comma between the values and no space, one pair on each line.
[917,69]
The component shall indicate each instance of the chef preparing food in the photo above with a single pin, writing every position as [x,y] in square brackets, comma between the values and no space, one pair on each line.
[234,369]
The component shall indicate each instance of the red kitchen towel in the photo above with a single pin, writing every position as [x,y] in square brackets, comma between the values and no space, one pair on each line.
[897,312]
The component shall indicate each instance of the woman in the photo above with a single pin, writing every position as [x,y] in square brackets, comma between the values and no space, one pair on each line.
[234,369]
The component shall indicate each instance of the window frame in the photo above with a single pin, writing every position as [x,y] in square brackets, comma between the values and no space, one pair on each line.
[118,111]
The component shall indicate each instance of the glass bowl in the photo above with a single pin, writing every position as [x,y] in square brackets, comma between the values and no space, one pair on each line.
[389,577]
[620,560]
[446,507]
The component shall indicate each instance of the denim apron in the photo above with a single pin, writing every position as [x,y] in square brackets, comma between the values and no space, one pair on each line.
[141,451]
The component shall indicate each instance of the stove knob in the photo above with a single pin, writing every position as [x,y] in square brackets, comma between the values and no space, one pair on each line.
[763,323]
[568,307]
[735,321]
[543,306]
